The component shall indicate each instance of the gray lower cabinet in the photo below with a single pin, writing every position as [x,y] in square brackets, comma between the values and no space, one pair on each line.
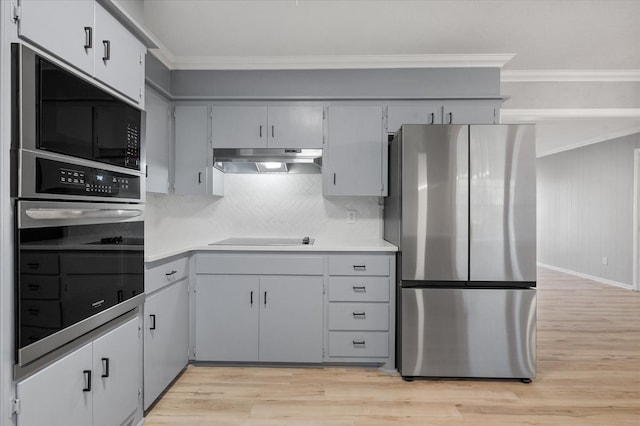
[166,324]
[166,338]
[361,309]
[97,384]
[250,318]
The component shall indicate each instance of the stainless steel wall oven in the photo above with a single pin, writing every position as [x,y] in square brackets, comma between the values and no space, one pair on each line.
[78,194]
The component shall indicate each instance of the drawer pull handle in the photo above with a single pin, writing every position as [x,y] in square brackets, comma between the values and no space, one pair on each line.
[33,287]
[358,342]
[168,274]
[251,297]
[33,265]
[87,381]
[88,38]
[359,289]
[359,267]
[105,367]
[107,50]
[152,317]
[265,298]
[359,314]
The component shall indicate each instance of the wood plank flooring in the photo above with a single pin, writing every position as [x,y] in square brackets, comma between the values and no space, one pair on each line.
[588,374]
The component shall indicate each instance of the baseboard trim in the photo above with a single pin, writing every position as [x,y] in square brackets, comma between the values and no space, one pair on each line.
[587,276]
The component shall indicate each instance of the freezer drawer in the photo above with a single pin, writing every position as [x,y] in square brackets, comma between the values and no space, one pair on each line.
[468,333]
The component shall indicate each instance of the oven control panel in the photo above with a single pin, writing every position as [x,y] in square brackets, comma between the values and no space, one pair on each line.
[56,177]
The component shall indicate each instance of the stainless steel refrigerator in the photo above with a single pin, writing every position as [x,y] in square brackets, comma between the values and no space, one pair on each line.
[462,210]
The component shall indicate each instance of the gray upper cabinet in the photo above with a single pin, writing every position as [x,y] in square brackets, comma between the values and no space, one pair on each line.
[157,141]
[294,127]
[239,126]
[72,37]
[422,113]
[471,112]
[119,56]
[443,112]
[192,157]
[267,126]
[85,35]
[355,163]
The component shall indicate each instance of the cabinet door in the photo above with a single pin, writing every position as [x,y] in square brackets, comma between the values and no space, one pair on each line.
[227,308]
[356,163]
[56,395]
[470,112]
[157,142]
[166,338]
[192,149]
[239,126]
[291,319]
[422,113]
[295,127]
[117,374]
[119,56]
[63,28]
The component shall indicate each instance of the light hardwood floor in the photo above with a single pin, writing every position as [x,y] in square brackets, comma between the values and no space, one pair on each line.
[588,374]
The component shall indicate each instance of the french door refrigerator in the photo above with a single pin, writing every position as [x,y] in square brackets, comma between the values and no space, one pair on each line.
[462,211]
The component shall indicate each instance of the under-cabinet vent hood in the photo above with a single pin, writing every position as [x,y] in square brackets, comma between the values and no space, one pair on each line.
[268,160]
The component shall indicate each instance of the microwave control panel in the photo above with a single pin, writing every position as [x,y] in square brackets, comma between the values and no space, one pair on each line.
[56,177]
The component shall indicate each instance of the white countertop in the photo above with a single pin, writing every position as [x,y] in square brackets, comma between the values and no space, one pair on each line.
[319,245]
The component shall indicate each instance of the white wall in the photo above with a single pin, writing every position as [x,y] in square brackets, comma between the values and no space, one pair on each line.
[258,206]
[585,209]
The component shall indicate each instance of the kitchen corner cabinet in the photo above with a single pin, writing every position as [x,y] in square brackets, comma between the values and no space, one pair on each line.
[97,384]
[266,308]
[194,171]
[267,126]
[166,324]
[157,141]
[85,35]
[443,112]
[355,163]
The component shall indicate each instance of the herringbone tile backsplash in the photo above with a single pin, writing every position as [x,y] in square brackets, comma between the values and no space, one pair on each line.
[258,206]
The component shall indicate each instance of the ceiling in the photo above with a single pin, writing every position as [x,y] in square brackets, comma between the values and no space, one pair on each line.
[567,42]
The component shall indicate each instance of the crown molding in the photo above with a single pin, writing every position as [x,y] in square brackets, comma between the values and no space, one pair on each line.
[511,115]
[521,76]
[339,62]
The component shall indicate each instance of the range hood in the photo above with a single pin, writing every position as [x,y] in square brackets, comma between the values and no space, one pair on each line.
[268,160]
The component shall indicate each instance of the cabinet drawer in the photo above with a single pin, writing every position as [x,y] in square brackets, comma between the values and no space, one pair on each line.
[359,265]
[39,263]
[258,264]
[359,289]
[359,344]
[163,274]
[358,316]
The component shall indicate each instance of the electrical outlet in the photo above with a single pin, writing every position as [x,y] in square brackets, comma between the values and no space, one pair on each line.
[605,260]
[351,216]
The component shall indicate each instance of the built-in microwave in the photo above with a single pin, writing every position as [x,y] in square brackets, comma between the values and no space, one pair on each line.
[58,111]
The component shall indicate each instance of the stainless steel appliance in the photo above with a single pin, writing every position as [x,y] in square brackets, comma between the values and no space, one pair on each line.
[78,194]
[461,208]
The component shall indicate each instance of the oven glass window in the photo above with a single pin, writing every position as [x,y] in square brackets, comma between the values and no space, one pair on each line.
[78,119]
[69,273]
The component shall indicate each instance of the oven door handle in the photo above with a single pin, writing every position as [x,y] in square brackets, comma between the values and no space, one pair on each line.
[57,214]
